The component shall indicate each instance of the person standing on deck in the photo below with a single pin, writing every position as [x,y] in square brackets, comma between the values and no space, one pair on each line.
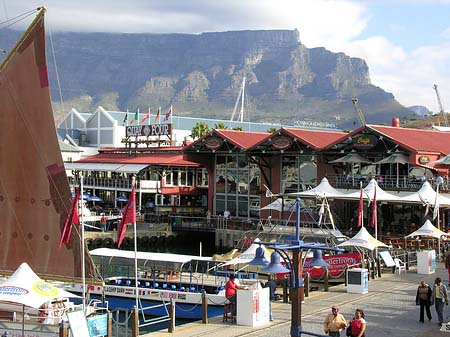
[438,298]
[231,291]
[334,322]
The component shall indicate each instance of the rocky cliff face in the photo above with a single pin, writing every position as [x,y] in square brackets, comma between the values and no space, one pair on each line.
[201,75]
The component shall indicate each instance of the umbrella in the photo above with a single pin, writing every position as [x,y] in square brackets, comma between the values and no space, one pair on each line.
[122,198]
[351,158]
[86,196]
[395,158]
[443,161]
[277,204]
[95,198]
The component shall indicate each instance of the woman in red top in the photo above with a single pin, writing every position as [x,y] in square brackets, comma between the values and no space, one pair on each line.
[358,324]
[230,291]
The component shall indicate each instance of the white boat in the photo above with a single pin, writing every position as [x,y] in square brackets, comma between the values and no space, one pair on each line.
[162,277]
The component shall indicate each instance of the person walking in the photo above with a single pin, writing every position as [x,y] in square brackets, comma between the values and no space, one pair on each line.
[357,325]
[438,298]
[272,285]
[423,298]
[334,322]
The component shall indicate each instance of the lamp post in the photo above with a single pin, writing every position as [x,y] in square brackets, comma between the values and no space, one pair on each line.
[295,268]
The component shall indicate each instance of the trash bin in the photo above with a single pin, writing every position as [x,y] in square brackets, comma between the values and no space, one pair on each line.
[357,281]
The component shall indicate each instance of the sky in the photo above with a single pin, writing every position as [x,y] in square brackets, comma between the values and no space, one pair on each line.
[406,43]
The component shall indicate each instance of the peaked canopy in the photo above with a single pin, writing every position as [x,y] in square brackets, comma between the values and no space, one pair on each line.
[276,205]
[368,194]
[427,195]
[249,254]
[363,239]
[428,229]
[443,161]
[351,158]
[25,287]
[323,190]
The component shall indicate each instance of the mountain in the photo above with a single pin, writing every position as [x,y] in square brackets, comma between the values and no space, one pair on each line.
[201,75]
[420,110]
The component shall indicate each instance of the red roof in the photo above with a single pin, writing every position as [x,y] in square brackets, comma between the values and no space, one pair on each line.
[242,139]
[162,159]
[417,140]
[317,139]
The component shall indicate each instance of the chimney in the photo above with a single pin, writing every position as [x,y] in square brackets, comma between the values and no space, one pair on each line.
[396,122]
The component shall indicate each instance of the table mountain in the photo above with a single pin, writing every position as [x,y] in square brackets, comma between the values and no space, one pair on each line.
[201,75]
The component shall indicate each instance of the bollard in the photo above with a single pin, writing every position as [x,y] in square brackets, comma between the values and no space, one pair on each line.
[325,280]
[372,269]
[64,329]
[284,284]
[407,261]
[378,268]
[172,317]
[135,322]
[110,324]
[345,276]
[306,284]
[204,308]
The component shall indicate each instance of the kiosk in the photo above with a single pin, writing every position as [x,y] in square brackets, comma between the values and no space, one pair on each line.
[426,262]
[357,281]
[253,307]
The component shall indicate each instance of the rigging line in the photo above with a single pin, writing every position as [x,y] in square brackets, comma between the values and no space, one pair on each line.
[18,18]
[57,78]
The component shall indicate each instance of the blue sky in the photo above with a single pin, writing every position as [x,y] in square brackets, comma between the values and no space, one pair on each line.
[406,43]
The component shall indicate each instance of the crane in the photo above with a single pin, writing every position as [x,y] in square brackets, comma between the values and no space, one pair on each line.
[362,119]
[441,109]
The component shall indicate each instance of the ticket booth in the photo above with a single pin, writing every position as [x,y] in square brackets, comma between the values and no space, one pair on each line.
[357,281]
[253,307]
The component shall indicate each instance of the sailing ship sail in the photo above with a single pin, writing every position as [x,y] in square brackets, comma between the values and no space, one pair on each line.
[34,191]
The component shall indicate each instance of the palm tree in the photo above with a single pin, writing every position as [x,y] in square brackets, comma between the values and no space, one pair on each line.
[220,126]
[199,130]
[238,128]
[272,130]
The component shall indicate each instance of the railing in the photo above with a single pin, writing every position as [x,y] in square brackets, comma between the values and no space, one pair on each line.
[387,182]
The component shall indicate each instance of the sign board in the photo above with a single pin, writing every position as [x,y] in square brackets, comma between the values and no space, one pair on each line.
[387,258]
[98,325]
[78,323]
[148,130]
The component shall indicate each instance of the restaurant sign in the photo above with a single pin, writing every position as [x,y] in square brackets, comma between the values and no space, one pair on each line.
[148,130]
[364,142]
[424,160]
[213,143]
[281,142]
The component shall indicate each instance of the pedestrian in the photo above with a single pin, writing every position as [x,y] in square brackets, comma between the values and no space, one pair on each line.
[439,297]
[447,265]
[272,285]
[334,322]
[357,325]
[423,298]
[231,291]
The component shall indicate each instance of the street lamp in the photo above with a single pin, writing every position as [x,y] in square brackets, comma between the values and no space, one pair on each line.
[295,268]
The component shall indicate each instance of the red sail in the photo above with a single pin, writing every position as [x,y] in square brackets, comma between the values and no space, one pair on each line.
[34,191]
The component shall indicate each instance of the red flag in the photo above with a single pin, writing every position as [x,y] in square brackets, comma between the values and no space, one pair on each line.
[72,219]
[129,216]
[168,114]
[146,116]
[360,209]
[373,220]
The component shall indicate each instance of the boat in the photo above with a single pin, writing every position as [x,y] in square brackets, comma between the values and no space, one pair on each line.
[162,277]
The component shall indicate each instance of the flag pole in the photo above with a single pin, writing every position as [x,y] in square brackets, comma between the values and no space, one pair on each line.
[133,181]
[83,274]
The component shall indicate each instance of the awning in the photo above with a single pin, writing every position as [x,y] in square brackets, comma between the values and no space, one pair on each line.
[92,166]
[131,168]
[111,167]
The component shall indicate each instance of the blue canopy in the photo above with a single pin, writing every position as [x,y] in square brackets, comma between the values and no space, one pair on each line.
[122,198]
[95,198]
[86,196]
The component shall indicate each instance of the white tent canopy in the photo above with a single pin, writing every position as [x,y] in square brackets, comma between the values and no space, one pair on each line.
[276,205]
[428,229]
[26,288]
[363,239]
[249,254]
[323,190]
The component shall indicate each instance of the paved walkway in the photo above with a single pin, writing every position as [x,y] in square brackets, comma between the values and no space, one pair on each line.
[389,307]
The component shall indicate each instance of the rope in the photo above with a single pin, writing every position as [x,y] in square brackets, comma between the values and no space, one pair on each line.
[20,17]
[187,310]
[215,303]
